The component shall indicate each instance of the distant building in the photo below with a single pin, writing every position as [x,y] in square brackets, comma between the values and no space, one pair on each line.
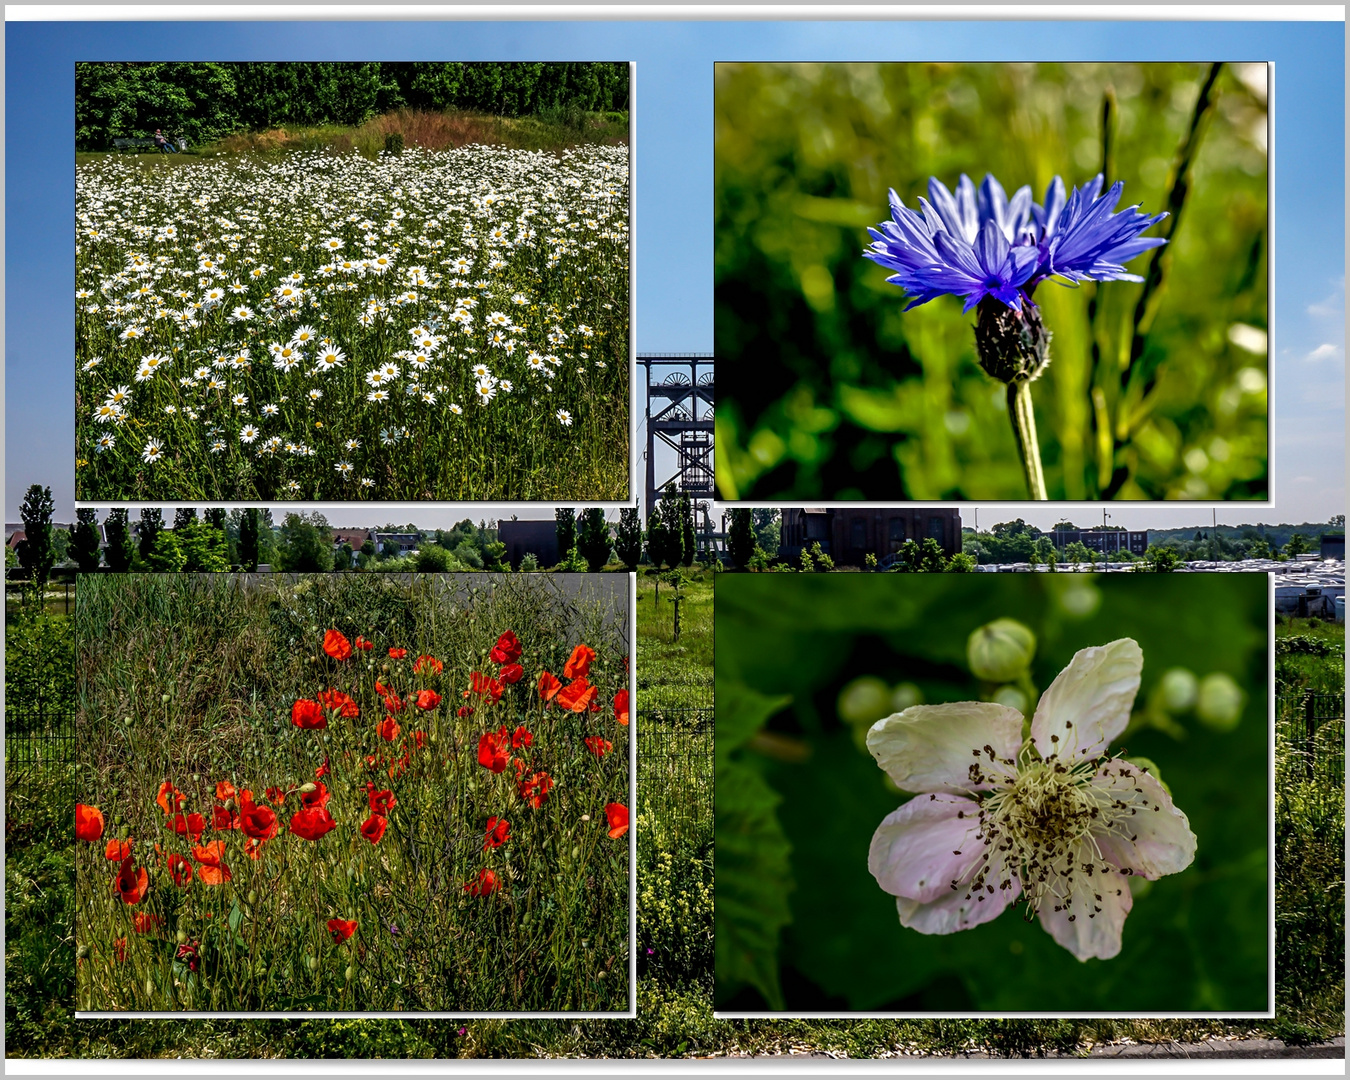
[538,538]
[1103,541]
[848,536]
[1333,546]
[397,543]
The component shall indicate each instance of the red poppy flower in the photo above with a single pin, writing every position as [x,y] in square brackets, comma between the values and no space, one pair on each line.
[211,854]
[579,663]
[420,739]
[520,738]
[336,699]
[276,795]
[146,921]
[507,650]
[617,814]
[317,798]
[489,689]
[322,770]
[312,823]
[381,802]
[621,707]
[494,749]
[188,954]
[549,685]
[388,729]
[223,818]
[373,827]
[308,714]
[464,710]
[598,746]
[392,701]
[498,833]
[577,695]
[224,790]
[131,883]
[258,822]
[167,789]
[485,884]
[253,848]
[188,825]
[397,654]
[428,663]
[120,949]
[88,822]
[117,850]
[363,644]
[510,674]
[399,767]
[341,929]
[336,645]
[428,699]
[595,706]
[534,789]
[181,870]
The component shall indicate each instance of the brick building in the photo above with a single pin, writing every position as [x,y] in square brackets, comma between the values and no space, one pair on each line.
[1103,541]
[848,535]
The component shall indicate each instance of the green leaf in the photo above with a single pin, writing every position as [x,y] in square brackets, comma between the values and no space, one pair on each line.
[753,879]
[741,712]
[236,916]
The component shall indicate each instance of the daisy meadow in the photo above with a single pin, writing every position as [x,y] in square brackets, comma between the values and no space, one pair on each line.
[363,306]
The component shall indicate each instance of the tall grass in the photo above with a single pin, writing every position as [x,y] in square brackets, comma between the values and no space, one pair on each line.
[190,681]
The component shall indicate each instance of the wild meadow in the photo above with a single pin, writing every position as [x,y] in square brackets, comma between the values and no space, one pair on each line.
[352,795]
[445,324]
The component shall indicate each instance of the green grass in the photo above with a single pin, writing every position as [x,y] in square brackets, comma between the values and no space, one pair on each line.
[191,681]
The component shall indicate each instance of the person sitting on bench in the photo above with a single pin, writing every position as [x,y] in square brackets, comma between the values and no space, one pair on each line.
[165,147]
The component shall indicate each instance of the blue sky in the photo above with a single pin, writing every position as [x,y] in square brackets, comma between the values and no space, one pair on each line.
[673,126]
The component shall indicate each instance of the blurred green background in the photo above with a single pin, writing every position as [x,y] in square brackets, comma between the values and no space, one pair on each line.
[827,389]
[802,924]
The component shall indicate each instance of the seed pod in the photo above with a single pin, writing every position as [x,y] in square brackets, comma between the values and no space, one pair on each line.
[351,972]
[313,963]
[252,896]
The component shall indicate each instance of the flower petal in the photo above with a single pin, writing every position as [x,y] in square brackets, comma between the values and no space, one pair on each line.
[920,850]
[958,909]
[930,748]
[1157,838]
[1089,702]
[1091,923]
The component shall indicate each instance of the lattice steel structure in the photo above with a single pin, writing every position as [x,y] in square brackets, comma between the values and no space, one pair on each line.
[680,416]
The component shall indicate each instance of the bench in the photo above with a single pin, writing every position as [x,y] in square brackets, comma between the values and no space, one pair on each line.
[133,144]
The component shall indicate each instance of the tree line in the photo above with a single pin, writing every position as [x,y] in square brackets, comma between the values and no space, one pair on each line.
[207,101]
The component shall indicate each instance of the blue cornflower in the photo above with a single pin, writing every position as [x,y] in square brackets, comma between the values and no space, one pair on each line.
[978,244]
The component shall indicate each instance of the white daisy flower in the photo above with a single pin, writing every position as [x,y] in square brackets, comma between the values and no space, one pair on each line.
[564,417]
[378,396]
[239,400]
[153,451]
[105,443]
[248,433]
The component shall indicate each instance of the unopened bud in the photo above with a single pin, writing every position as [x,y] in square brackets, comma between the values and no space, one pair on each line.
[1012,697]
[351,972]
[864,701]
[313,963]
[1000,651]
[164,699]
[1180,689]
[182,937]
[1220,702]
[149,986]
[305,789]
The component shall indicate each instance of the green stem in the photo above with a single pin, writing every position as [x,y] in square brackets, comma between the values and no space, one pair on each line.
[1023,418]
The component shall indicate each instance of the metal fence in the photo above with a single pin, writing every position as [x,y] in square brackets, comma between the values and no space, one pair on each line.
[1311,728]
[675,756]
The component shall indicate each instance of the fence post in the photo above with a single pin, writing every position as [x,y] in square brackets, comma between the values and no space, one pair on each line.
[1309,731]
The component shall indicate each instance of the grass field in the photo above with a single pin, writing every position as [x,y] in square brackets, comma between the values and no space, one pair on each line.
[323,813]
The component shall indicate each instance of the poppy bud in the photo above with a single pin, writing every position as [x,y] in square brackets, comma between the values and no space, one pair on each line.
[351,972]
[252,896]
[82,952]
[313,963]
[1000,651]
[585,944]
[576,851]
[196,778]
[305,789]
[182,937]
[164,699]
[149,986]
[126,720]
[601,975]
[585,817]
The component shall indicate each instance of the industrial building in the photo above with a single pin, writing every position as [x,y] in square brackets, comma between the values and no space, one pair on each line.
[848,536]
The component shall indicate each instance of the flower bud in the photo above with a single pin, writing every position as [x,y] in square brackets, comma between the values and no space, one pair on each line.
[905,695]
[1220,702]
[164,699]
[305,789]
[82,952]
[351,972]
[1012,697]
[313,963]
[1000,651]
[585,817]
[864,701]
[182,937]
[1180,689]
[252,896]
[1080,599]
[149,986]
